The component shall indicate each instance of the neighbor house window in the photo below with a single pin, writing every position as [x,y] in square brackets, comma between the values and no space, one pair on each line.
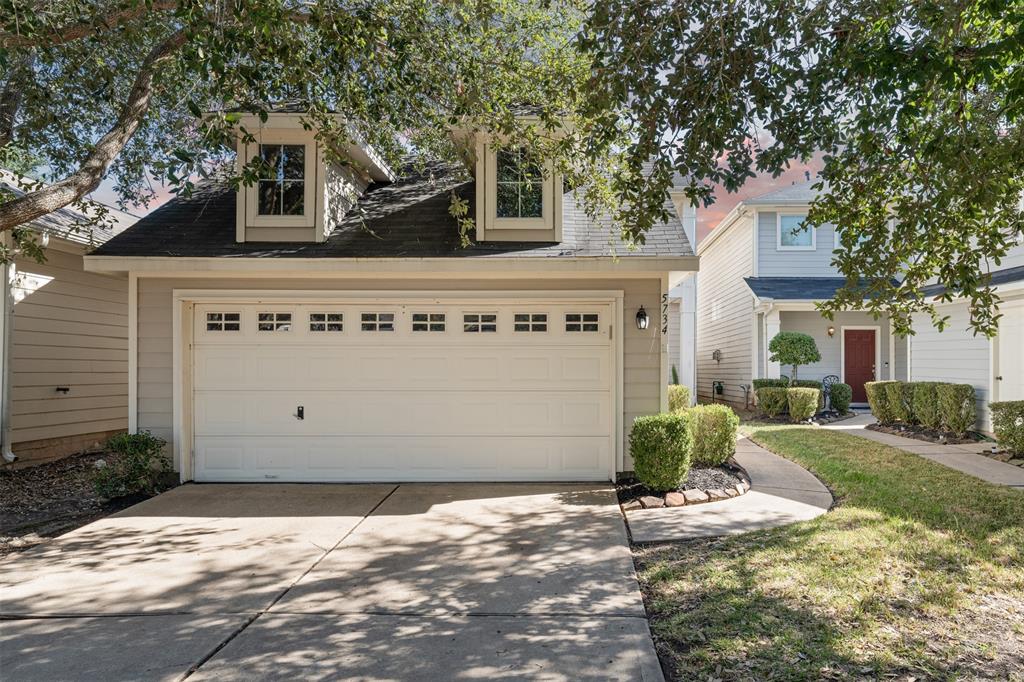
[530,322]
[223,322]
[581,322]
[520,190]
[282,183]
[480,322]
[428,322]
[791,235]
[326,322]
[377,322]
[274,322]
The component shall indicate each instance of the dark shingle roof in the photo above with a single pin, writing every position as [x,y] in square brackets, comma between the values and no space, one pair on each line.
[796,288]
[405,219]
[1005,276]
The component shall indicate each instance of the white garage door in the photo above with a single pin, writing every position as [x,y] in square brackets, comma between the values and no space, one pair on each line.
[402,391]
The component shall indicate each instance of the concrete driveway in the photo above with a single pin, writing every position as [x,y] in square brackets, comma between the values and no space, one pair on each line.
[375,582]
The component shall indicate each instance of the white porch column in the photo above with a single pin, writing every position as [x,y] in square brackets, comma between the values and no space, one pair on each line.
[688,336]
[772,326]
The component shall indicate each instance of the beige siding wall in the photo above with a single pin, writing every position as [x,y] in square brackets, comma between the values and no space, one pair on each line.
[70,329]
[642,371]
[725,313]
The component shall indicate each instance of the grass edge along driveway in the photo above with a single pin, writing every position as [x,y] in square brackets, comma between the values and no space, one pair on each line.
[917,573]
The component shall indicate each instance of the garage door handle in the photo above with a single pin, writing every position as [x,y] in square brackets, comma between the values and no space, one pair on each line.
[300,412]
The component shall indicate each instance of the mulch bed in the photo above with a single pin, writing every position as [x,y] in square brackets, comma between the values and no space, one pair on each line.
[929,435]
[819,419]
[725,478]
[50,499]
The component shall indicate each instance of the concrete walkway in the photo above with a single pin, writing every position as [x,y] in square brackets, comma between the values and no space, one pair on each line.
[963,458]
[782,492]
[410,582]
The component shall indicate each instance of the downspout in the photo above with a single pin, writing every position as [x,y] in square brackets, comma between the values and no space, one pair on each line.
[6,325]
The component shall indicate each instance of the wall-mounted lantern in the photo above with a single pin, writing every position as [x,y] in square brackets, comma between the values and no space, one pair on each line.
[716,355]
[831,331]
[642,320]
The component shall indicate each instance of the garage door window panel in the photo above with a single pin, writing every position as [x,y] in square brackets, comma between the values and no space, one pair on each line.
[428,322]
[377,322]
[475,323]
[326,322]
[530,322]
[223,322]
[582,322]
[274,322]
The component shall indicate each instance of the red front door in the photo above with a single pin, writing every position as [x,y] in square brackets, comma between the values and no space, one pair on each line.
[859,360]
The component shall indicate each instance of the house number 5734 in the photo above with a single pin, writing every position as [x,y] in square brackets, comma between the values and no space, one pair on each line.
[664,313]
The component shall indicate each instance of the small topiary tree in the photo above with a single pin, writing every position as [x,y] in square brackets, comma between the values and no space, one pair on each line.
[771,400]
[795,349]
[1008,423]
[660,446]
[678,397]
[841,395]
[803,403]
[712,434]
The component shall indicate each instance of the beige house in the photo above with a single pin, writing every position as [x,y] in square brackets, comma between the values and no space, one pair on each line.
[65,343]
[760,275]
[327,325]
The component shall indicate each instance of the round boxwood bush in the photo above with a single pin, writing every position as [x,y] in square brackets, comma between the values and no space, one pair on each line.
[771,400]
[803,403]
[878,399]
[1008,423]
[660,446]
[925,402]
[712,434]
[840,396]
[957,407]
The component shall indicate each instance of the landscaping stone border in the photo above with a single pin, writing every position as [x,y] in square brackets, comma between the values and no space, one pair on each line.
[691,496]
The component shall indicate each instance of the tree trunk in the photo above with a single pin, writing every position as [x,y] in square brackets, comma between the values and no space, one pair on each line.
[36,204]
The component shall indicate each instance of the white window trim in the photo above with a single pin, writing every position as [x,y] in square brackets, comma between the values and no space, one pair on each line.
[310,180]
[778,233]
[546,228]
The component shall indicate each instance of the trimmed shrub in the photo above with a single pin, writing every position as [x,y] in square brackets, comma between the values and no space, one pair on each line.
[675,376]
[956,407]
[899,397]
[660,446]
[841,396]
[794,349]
[712,434]
[770,383]
[811,383]
[1008,423]
[678,397]
[925,404]
[137,468]
[803,402]
[771,400]
[878,400]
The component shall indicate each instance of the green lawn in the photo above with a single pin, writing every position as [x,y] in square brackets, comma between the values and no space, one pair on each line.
[918,572]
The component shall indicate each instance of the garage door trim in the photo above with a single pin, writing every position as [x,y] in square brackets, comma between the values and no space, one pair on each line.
[184,300]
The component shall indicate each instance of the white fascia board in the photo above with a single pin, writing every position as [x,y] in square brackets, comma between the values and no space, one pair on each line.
[379,267]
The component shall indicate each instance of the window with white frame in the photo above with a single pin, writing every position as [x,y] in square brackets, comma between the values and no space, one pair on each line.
[274,322]
[282,184]
[520,186]
[480,322]
[326,322]
[530,322]
[428,322]
[792,234]
[377,322]
[223,322]
[582,322]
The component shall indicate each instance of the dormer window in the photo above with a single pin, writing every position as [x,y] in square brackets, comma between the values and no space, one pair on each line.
[520,186]
[283,180]
[791,233]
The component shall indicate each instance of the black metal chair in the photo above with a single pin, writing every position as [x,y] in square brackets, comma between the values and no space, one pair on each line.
[826,387]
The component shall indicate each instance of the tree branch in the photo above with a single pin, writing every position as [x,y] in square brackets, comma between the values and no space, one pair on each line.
[90,172]
[71,32]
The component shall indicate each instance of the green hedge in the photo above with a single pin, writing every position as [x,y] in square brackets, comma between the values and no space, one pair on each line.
[957,407]
[1008,423]
[803,403]
[678,397]
[770,383]
[841,396]
[712,434]
[660,446]
[899,397]
[925,404]
[771,400]
[878,400]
